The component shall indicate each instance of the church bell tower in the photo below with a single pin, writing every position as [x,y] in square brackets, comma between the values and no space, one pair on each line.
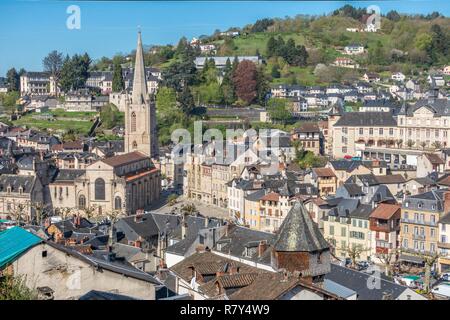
[140,113]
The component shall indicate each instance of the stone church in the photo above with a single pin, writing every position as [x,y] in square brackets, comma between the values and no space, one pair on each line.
[140,114]
[125,182]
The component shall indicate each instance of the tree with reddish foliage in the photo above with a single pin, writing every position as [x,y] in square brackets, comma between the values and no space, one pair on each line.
[244,80]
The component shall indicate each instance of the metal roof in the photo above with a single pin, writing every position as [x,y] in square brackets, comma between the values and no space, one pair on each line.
[14,242]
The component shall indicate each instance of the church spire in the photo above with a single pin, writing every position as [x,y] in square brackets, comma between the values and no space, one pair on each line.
[139,82]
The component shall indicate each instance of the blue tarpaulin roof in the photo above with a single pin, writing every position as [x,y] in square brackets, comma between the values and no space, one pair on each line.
[13,242]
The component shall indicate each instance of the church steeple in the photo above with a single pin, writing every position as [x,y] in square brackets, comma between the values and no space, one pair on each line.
[139,81]
[140,112]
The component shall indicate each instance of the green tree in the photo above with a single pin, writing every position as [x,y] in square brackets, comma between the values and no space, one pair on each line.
[118,83]
[13,80]
[278,110]
[52,63]
[275,71]
[15,288]
[271,47]
[109,115]
[186,100]
[74,72]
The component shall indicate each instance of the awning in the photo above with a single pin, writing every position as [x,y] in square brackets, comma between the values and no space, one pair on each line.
[413,259]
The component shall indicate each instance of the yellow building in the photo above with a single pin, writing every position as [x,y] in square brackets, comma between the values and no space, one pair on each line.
[347,226]
[419,232]
[325,180]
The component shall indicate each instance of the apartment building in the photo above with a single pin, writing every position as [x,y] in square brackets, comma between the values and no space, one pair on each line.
[347,226]
[398,138]
[385,230]
[420,214]
[444,243]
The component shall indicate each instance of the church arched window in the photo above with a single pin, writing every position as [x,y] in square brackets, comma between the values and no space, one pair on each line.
[117,203]
[99,189]
[134,145]
[133,122]
[81,202]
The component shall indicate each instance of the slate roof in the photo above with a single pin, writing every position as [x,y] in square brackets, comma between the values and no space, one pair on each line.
[390,179]
[15,182]
[298,232]
[100,261]
[68,174]
[102,295]
[441,107]
[353,189]
[367,179]
[255,196]
[357,281]
[347,165]
[237,238]
[363,211]
[366,119]
[445,219]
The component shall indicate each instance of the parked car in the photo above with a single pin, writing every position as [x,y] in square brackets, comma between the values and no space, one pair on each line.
[362,265]
[445,276]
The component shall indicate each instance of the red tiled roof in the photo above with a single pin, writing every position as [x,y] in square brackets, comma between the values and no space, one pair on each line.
[273,196]
[434,158]
[324,172]
[125,159]
[385,211]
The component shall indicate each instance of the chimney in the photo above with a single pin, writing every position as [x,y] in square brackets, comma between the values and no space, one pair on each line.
[138,243]
[233,269]
[206,222]
[138,216]
[446,202]
[162,264]
[262,248]
[183,226]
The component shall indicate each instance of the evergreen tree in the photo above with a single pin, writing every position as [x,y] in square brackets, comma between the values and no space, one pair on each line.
[275,72]
[186,100]
[13,80]
[118,83]
[271,48]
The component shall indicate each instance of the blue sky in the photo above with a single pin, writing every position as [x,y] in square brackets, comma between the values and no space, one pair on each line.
[29,29]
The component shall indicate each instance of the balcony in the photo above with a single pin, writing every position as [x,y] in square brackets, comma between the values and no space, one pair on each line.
[385,227]
[418,237]
[443,245]
[420,222]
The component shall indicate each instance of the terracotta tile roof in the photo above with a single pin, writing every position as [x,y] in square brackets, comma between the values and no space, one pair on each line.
[324,172]
[125,159]
[272,286]
[308,127]
[207,262]
[434,158]
[273,196]
[385,211]
[444,180]
[141,174]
